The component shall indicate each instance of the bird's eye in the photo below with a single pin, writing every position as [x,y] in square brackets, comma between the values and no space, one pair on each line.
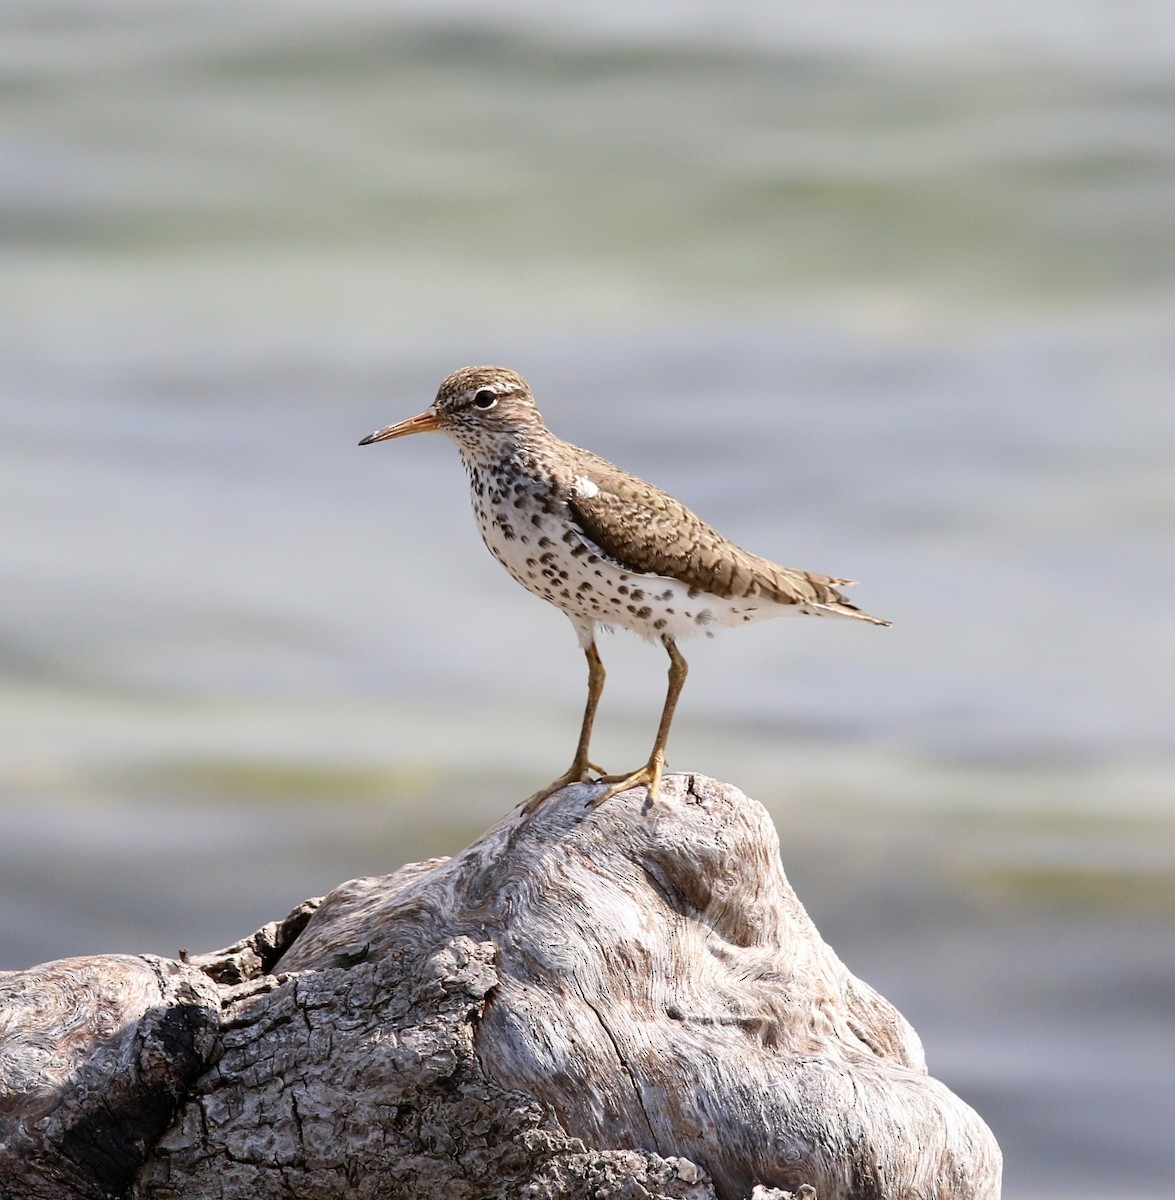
[485,399]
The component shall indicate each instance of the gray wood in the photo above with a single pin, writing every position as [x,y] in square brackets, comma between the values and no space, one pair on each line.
[619,1002]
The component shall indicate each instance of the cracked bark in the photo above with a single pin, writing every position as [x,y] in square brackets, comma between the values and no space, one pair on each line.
[627,1002]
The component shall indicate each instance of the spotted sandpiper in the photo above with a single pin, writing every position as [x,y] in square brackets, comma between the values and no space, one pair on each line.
[605,547]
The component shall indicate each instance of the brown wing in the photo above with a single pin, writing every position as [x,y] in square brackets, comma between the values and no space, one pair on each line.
[650,532]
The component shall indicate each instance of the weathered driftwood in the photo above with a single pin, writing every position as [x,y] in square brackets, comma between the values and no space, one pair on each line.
[618,1002]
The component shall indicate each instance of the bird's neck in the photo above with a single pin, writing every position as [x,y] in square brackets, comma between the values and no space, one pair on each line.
[533,452]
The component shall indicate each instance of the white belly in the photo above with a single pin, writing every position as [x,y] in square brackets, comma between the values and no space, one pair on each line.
[563,566]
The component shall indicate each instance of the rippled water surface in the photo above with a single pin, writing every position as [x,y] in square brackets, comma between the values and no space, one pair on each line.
[884,298]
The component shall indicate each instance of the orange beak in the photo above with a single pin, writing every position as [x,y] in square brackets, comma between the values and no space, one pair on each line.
[426,422]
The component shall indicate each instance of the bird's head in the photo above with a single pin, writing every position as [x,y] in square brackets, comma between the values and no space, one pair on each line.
[483,409]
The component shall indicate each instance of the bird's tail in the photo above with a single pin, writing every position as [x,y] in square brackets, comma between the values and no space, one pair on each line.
[845,608]
[810,592]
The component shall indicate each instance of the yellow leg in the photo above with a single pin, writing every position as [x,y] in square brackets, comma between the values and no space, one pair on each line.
[581,766]
[650,773]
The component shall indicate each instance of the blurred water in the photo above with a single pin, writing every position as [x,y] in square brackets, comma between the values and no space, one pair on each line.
[887,296]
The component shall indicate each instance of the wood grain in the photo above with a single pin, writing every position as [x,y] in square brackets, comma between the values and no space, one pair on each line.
[627,1001]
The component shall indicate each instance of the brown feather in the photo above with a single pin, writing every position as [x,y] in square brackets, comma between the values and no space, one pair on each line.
[649,531]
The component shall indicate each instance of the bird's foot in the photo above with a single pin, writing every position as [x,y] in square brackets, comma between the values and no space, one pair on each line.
[576,773]
[649,774]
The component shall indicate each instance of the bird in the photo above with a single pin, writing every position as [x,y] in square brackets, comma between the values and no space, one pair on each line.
[606,547]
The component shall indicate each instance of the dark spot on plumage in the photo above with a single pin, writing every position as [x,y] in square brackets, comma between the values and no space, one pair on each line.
[507,530]
[536,520]
[545,543]
[659,623]
[694,592]
[638,594]
[576,551]
[644,613]
[667,594]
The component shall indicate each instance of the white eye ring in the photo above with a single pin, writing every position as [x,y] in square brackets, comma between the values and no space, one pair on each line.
[485,399]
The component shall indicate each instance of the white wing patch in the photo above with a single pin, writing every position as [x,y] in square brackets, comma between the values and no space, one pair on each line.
[584,487]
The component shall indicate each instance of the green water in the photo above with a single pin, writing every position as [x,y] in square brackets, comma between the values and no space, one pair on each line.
[881,294]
